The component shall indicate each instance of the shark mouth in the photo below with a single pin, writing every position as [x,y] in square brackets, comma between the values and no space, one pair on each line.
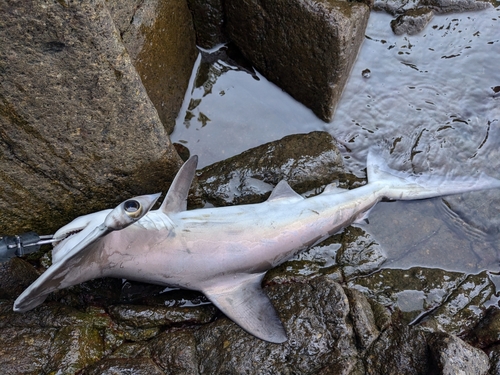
[64,236]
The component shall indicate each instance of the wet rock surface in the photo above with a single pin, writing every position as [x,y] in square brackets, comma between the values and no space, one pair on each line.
[345,329]
[453,356]
[305,47]
[412,21]
[209,22]
[305,161]
[398,7]
[159,37]
[78,131]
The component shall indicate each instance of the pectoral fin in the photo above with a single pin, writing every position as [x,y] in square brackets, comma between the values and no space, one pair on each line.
[73,269]
[247,305]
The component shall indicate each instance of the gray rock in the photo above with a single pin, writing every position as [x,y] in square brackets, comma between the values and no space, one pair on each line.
[139,366]
[360,253]
[305,47]
[154,316]
[175,352]
[395,7]
[363,319]
[398,7]
[320,336]
[464,306]
[400,349]
[305,161]
[160,39]
[412,21]
[487,332]
[494,356]
[439,300]
[454,356]
[456,6]
[209,22]
[78,131]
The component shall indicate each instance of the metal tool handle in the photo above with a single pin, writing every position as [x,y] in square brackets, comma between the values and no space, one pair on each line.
[22,244]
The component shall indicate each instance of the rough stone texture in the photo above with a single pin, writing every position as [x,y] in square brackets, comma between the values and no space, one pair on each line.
[139,366]
[464,306]
[305,47]
[453,356]
[51,339]
[400,349]
[441,300]
[175,352]
[412,21]
[494,355]
[360,253]
[78,132]
[16,275]
[397,7]
[363,319]
[153,316]
[160,39]
[320,336]
[487,332]
[457,6]
[209,22]
[305,161]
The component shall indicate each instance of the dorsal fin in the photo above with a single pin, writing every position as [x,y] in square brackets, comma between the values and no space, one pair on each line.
[176,199]
[283,191]
[242,300]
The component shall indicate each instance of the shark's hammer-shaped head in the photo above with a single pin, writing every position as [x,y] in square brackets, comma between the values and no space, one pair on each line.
[69,265]
[86,229]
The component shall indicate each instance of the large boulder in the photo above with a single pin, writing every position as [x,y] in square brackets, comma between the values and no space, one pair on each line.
[78,131]
[160,39]
[305,47]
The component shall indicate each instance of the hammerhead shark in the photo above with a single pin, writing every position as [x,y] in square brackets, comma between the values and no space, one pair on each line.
[223,252]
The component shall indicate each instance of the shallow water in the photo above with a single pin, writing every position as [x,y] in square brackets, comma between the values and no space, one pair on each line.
[431,101]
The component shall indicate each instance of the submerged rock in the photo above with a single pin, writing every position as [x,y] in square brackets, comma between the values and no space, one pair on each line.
[464,306]
[412,21]
[78,131]
[305,161]
[305,47]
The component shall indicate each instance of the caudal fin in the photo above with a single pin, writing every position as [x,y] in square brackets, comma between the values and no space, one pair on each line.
[404,186]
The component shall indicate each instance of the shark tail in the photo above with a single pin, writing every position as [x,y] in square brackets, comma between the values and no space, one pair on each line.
[404,186]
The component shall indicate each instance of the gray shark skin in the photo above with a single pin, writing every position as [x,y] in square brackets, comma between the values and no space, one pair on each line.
[222,252]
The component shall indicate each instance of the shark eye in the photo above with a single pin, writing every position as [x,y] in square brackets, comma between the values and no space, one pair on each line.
[132,208]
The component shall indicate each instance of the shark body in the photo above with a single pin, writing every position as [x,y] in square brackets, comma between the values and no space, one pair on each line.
[222,252]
